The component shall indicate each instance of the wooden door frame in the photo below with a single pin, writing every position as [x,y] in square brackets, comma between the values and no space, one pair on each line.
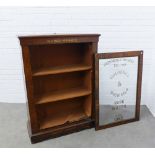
[98,56]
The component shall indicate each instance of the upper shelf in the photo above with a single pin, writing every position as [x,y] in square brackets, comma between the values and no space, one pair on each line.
[62,69]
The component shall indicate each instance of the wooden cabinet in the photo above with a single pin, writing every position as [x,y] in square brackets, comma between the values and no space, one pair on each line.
[59,75]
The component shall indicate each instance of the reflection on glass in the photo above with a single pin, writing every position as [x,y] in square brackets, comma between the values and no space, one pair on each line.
[117,89]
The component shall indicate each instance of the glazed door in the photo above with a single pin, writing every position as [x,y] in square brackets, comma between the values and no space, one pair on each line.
[117,88]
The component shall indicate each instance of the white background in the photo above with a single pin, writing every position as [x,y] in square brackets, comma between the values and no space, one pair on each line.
[121,29]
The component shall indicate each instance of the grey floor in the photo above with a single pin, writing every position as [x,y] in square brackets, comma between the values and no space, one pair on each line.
[13,132]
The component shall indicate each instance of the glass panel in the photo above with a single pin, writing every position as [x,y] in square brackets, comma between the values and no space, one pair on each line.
[117,89]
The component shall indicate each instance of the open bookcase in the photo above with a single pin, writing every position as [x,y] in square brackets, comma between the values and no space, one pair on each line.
[59,74]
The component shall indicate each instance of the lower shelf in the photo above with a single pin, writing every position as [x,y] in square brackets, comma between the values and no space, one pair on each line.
[63,118]
[64,112]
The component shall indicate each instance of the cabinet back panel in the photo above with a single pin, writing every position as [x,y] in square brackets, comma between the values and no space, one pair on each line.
[58,55]
[45,84]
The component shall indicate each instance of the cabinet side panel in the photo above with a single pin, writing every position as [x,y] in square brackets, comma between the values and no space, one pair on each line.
[29,86]
[94,50]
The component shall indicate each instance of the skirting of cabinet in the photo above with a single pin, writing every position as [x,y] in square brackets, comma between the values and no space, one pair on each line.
[60,130]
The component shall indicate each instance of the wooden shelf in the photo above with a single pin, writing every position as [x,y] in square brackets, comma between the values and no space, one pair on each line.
[63,94]
[62,69]
[63,117]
